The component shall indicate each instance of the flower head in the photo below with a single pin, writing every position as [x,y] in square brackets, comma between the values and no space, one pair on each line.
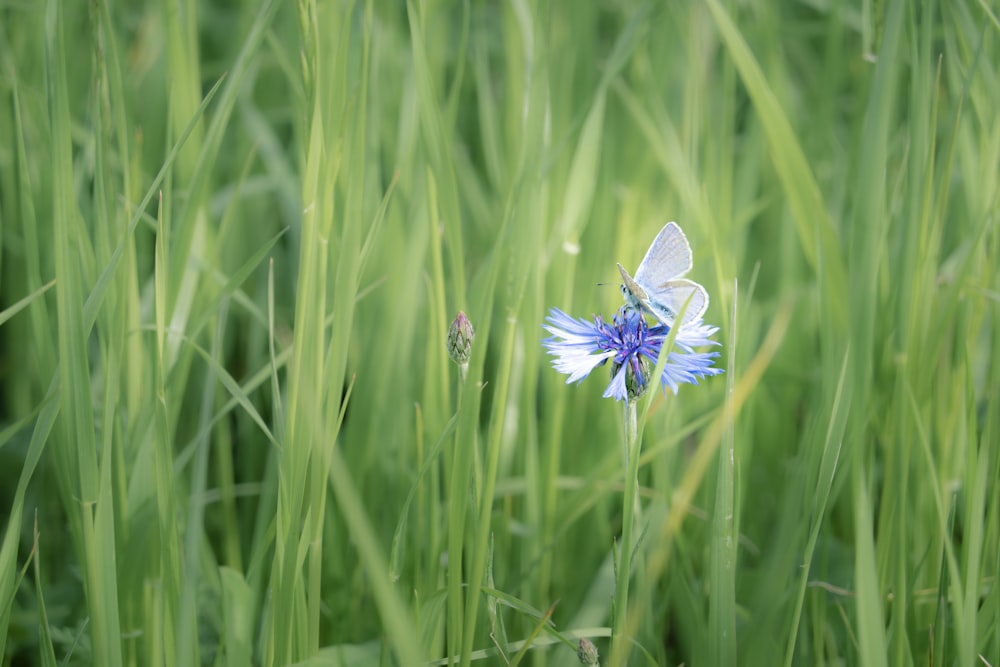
[579,346]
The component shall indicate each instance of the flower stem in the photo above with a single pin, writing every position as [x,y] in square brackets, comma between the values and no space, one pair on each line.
[458,497]
[480,549]
[619,642]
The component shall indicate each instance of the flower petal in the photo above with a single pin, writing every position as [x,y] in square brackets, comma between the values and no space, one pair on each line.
[617,388]
[578,365]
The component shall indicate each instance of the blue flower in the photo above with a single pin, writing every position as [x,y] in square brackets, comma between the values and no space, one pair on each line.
[579,346]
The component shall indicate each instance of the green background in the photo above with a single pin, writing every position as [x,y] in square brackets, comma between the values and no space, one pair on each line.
[233,236]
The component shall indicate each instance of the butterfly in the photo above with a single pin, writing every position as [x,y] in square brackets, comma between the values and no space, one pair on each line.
[658,287]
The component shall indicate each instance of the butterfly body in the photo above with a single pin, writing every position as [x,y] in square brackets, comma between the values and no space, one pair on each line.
[658,286]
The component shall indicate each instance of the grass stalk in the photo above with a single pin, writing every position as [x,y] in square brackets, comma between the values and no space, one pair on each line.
[620,639]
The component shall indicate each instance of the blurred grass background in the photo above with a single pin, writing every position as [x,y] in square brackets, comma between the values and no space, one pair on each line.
[233,236]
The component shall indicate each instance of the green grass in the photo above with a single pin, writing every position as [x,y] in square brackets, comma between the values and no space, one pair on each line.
[233,237]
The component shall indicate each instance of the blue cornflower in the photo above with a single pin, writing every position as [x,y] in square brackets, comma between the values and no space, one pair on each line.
[579,346]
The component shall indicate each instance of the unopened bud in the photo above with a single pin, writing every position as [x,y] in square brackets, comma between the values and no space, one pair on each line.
[587,652]
[460,337]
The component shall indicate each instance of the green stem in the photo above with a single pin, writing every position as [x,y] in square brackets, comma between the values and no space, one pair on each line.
[458,496]
[480,550]
[619,641]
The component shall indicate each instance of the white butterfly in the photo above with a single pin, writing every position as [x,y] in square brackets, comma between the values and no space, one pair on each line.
[658,286]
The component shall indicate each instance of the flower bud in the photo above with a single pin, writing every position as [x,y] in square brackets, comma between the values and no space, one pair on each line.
[460,337]
[587,652]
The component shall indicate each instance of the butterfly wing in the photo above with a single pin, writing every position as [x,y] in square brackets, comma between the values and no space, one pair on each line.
[666,301]
[668,257]
[634,295]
